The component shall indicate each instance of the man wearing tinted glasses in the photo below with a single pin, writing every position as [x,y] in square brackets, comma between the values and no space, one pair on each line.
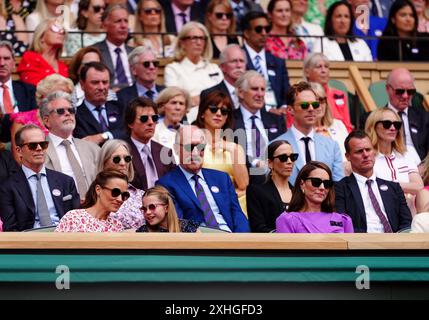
[203,195]
[35,196]
[71,156]
[144,67]
[401,90]
[256,28]
[151,160]
[310,145]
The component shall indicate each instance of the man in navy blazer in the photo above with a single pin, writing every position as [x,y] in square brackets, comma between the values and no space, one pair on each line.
[18,195]
[255,31]
[220,208]
[194,11]
[97,119]
[352,194]
[302,102]
[144,67]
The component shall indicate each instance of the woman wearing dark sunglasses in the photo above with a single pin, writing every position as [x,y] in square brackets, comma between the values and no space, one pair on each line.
[220,22]
[311,209]
[160,213]
[393,162]
[105,195]
[265,202]
[115,155]
[221,153]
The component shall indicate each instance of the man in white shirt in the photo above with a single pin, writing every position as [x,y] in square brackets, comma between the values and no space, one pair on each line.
[375,205]
[71,156]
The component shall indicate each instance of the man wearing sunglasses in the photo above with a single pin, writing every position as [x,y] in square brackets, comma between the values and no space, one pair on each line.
[35,196]
[97,119]
[144,67]
[151,160]
[71,156]
[242,7]
[203,195]
[256,28]
[401,90]
[310,145]
[375,205]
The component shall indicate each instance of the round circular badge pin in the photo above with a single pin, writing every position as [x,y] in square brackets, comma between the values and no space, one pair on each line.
[56,192]
[214,189]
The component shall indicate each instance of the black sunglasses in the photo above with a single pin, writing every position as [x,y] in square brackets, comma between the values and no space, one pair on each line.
[97,8]
[62,111]
[151,207]
[152,11]
[400,92]
[316,182]
[258,29]
[191,146]
[305,105]
[223,111]
[284,157]
[147,64]
[117,159]
[220,15]
[144,119]
[387,124]
[116,192]
[33,145]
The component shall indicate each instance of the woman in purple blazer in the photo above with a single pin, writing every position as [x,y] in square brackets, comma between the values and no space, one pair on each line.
[311,209]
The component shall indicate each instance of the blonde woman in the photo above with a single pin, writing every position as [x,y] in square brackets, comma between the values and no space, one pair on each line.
[12,23]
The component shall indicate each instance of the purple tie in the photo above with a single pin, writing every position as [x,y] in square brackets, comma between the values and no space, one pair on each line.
[120,71]
[376,205]
[149,165]
[209,217]
[257,136]
[101,120]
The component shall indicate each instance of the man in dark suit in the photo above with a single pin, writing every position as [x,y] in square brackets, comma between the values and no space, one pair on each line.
[151,160]
[259,126]
[144,67]
[233,65]
[375,205]
[179,12]
[400,90]
[241,8]
[19,96]
[203,195]
[256,27]
[97,119]
[114,50]
[35,196]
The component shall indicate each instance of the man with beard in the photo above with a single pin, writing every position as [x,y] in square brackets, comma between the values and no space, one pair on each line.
[72,156]
[97,119]
[203,195]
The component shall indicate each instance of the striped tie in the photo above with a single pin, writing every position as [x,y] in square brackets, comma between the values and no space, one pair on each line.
[209,217]
[258,65]
[376,205]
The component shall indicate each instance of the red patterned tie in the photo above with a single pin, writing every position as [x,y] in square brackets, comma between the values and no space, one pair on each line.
[7,102]
[376,205]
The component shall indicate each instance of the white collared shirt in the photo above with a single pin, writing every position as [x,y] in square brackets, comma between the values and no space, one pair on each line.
[262,60]
[249,134]
[215,209]
[301,144]
[395,167]
[12,97]
[124,59]
[373,222]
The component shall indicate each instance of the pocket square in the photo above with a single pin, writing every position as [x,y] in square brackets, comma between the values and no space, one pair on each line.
[67,197]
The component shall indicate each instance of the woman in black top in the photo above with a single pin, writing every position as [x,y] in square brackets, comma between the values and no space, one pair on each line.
[265,202]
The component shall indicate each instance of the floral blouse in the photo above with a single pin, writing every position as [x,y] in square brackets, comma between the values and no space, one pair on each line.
[129,213]
[79,220]
[295,49]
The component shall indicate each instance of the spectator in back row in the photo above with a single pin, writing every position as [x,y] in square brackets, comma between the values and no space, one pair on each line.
[180,12]
[243,7]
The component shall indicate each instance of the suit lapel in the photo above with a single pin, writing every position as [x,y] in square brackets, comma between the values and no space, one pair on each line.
[107,59]
[139,168]
[271,65]
[156,156]
[387,199]
[185,187]
[88,117]
[53,156]
[86,161]
[355,192]
[319,147]
[113,116]
[24,190]
[54,183]
[211,182]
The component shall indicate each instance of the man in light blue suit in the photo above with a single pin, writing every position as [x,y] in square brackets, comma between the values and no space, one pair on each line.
[203,195]
[303,102]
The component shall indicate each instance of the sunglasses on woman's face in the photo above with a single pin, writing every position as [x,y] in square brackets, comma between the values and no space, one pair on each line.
[284,157]
[116,192]
[152,11]
[306,104]
[223,111]
[33,145]
[316,182]
[151,207]
[387,124]
[144,119]
[117,159]
[98,8]
[220,15]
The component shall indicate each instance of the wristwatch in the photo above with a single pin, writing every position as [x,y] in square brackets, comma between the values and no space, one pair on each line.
[105,136]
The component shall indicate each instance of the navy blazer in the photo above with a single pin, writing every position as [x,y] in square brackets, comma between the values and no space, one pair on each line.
[125,95]
[87,125]
[157,150]
[197,14]
[18,210]
[277,74]
[348,199]
[187,204]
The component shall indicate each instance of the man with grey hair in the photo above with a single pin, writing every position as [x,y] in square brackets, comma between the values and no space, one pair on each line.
[233,65]
[144,68]
[71,156]
[260,126]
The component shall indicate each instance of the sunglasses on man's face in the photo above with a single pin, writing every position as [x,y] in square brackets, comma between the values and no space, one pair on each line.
[223,111]
[62,111]
[284,157]
[316,182]
[387,124]
[147,64]
[144,119]
[258,29]
[191,146]
[400,92]
[305,104]
[116,192]
[152,11]
[117,159]
[33,145]
[151,207]
[98,8]
[220,15]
